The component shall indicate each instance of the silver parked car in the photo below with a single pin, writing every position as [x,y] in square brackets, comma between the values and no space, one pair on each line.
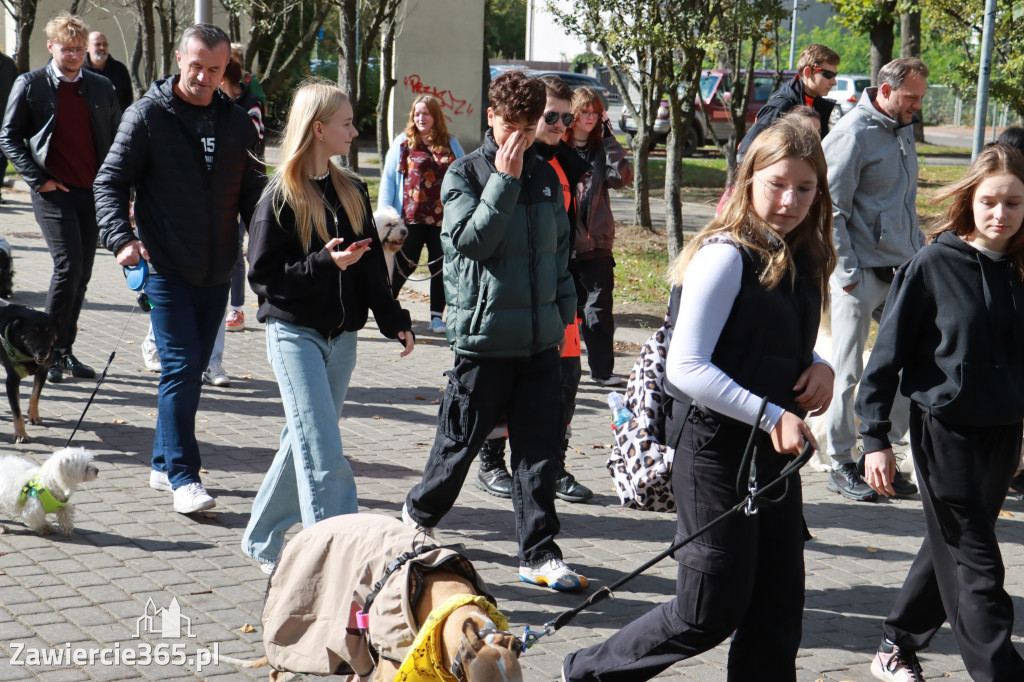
[848,90]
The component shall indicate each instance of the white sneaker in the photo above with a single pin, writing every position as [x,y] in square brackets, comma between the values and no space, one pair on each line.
[158,480]
[192,497]
[267,567]
[150,357]
[896,665]
[555,574]
[437,325]
[411,522]
[613,380]
[216,375]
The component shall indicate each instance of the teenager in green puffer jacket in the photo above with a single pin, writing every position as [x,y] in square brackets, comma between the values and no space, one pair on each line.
[510,296]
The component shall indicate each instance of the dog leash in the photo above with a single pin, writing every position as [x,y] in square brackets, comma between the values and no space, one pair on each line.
[103,375]
[749,506]
[413,267]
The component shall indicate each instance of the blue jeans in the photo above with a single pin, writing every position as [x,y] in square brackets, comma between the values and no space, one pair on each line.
[309,479]
[184,319]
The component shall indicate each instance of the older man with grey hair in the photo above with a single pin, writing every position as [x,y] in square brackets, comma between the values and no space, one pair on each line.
[872,175]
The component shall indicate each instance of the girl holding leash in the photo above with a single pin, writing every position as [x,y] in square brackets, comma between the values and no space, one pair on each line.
[753,281]
[954,325]
[316,265]
[414,167]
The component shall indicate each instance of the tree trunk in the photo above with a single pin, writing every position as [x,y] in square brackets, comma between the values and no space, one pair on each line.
[149,47]
[910,46]
[26,20]
[881,47]
[387,84]
[348,72]
[641,179]
[679,129]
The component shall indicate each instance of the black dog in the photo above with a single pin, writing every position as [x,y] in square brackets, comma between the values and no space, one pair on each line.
[27,337]
[6,270]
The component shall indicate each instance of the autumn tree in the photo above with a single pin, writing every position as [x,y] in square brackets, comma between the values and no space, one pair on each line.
[876,19]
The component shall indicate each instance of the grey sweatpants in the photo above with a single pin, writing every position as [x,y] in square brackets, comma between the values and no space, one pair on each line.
[851,322]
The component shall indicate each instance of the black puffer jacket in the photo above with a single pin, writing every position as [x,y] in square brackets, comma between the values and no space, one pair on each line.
[788,95]
[32,110]
[187,217]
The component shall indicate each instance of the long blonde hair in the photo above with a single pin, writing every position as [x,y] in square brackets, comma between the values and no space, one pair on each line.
[786,139]
[437,137]
[290,183]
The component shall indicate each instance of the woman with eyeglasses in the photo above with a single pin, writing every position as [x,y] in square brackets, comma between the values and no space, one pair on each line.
[414,168]
[591,136]
[753,285]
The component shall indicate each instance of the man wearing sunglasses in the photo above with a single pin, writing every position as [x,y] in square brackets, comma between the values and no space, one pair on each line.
[816,75]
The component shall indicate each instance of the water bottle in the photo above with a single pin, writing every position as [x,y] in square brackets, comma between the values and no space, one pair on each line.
[620,413]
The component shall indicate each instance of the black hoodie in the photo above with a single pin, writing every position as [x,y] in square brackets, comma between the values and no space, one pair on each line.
[954,324]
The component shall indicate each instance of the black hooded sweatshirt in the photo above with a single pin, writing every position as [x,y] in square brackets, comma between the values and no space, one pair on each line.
[954,324]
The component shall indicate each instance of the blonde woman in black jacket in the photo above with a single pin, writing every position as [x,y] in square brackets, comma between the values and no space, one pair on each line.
[316,265]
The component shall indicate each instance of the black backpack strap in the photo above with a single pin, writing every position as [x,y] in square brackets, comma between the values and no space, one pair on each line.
[680,402]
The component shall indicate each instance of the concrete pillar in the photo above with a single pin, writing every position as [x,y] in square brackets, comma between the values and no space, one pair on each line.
[438,51]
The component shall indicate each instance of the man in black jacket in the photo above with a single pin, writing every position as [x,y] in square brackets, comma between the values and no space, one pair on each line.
[190,155]
[816,76]
[58,126]
[98,60]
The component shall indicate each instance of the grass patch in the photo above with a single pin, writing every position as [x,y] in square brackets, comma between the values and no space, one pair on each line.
[929,180]
[939,150]
[697,172]
[641,264]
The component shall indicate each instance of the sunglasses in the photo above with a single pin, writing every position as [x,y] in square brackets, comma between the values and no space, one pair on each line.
[826,73]
[551,118]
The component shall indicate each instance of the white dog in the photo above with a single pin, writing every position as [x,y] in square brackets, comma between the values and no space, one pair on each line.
[392,233]
[31,492]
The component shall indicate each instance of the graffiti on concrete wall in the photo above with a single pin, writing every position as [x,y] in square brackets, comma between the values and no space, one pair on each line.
[450,104]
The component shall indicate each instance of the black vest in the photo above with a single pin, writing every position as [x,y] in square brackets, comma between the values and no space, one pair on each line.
[768,339]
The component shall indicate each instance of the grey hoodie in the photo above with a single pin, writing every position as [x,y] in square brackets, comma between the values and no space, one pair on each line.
[872,175]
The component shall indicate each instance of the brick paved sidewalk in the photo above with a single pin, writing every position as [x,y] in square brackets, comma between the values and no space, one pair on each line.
[90,591]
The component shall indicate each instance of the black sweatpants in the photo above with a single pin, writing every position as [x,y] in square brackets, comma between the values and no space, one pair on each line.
[744,577]
[68,222]
[420,235]
[597,276]
[964,473]
[526,391]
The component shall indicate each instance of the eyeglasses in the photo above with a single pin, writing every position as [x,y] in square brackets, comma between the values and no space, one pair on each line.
[71,51]
[101,44]
[776,192]
[588,114]
[826,73]
[551,118]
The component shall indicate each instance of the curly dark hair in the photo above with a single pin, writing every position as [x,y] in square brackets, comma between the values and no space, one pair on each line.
[516,97]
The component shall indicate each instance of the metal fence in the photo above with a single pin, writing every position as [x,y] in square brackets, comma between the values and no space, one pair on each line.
[942,107]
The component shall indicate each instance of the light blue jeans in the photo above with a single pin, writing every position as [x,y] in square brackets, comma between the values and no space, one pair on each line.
[309,479]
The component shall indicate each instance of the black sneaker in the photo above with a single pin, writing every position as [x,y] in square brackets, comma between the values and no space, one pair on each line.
[76,368]
[900,484]
[56,373]
[1017,485]
[847,482]
[496,481]
[569,489]
[892,664]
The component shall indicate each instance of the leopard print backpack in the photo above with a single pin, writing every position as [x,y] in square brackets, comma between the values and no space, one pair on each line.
[640,463]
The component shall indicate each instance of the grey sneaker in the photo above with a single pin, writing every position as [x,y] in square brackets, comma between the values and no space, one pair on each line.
[847,482]
[216,376]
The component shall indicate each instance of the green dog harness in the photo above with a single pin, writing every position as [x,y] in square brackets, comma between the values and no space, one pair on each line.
[45,497]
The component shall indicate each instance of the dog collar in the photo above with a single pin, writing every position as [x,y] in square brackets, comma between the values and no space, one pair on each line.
[18,359]
[34,489]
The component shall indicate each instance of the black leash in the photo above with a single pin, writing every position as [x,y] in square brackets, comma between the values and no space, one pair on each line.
[749,506]
[103,375]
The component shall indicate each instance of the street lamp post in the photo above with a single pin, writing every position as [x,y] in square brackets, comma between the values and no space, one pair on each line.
[204,12]
[792,35]
[984,69]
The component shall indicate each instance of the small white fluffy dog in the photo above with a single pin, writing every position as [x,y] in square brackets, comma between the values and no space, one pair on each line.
[31,492]
[392,232]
